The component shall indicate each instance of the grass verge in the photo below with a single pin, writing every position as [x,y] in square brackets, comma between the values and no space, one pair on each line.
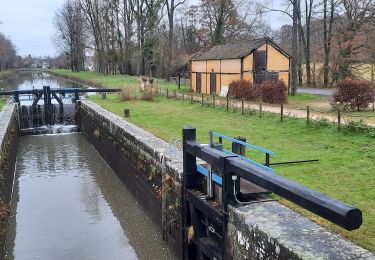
[346,166]
[112,81]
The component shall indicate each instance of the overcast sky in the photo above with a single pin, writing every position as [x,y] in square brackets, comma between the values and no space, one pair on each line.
[29,24]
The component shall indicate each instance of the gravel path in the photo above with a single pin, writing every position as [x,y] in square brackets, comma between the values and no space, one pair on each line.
[317,91]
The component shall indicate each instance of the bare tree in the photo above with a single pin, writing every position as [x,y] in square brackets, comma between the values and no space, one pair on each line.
[69,23]
[357,15]
[171,8]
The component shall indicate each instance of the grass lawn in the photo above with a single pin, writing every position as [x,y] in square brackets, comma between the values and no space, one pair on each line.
[345,170]
[2,103]
[114,81]
[301,101]
[4,74]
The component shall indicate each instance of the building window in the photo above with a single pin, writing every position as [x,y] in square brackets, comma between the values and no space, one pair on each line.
[260,60]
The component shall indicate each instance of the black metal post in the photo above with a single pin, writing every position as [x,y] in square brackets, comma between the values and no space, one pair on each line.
[282,112]
[267,160]
[189,170]
[227,103]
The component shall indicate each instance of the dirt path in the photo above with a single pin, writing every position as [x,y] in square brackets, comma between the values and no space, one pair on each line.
[275,109]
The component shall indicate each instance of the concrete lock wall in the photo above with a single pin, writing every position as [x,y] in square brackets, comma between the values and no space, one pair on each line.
[143,162]
[153,173]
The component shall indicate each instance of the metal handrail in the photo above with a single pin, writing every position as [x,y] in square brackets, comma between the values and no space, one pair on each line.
[243,143]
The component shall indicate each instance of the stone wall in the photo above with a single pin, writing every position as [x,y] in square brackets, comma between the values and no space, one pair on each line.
[9,136]
[143,162]
[153,173]
[271,231]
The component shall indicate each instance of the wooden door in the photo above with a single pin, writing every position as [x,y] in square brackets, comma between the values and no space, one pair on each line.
[213,83]
[198,82]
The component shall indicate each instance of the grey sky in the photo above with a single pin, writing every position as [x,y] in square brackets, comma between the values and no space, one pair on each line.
[29,24]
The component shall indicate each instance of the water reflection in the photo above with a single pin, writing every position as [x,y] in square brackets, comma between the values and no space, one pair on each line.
[68,204]
[31,80]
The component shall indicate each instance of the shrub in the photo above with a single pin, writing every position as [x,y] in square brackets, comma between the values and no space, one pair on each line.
[241,89]
[354,93]
[127,93]
[274,91]
[148,93]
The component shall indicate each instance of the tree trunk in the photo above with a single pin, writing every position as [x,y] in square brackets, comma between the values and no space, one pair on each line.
[294,59]
[372,65]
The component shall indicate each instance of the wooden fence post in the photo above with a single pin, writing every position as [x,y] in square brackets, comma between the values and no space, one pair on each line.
[308,114]
[242,109]
[260,110]
[227,103]
[282,112]
[126,112]
[339,120]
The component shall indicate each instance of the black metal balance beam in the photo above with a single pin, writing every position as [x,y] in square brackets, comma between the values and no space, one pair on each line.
[36,91]
[331,209]
[98,90]
[293,162]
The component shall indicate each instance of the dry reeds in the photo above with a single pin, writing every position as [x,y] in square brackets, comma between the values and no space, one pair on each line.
[127,93]
[148,93]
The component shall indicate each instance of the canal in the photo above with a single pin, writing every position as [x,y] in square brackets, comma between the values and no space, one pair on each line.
[68,204]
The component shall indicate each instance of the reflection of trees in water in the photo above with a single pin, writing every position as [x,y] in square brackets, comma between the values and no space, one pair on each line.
[27,80]
[91,198]
[52,156]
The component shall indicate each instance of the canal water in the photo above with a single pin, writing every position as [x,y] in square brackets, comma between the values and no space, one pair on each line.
[68,204]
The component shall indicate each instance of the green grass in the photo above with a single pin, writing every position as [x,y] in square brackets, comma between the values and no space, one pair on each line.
[113,81]
[4,74]
[345,170]
[2,103]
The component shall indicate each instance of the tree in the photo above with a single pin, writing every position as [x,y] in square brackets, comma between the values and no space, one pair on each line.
[357,15]
[305,35]
[171,7]
[8,54]
[69,22]
[294,59]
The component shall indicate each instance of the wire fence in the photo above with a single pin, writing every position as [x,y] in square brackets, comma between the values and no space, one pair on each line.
[340,119]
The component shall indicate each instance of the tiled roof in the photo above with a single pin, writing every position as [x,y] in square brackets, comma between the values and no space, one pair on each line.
[232,50]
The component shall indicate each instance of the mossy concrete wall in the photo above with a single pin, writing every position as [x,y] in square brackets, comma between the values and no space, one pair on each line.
[143,162]
[153,173]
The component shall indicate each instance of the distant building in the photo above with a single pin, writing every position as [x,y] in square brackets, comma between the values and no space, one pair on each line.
[256,60]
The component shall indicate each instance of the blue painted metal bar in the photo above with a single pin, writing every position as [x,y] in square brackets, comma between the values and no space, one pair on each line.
[251,161]
[243,143]
[204,172]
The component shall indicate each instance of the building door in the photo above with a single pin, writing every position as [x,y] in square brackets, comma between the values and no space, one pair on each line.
[212,83]
[198,82]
